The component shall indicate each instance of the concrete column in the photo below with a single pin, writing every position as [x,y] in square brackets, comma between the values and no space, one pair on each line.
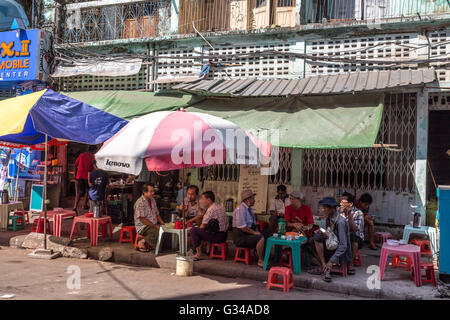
[420,174]
[297,168]
[174,11]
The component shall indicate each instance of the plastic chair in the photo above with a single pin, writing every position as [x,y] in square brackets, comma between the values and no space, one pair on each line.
[138,238]
[288,278]
[357,260]
[247,255]
[223,252]
[127,234]
[429,273]
[289,263]
[399,261]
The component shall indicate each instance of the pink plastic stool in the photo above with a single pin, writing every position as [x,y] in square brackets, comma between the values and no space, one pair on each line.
[223,252]
[288,278]
[127,234]
[383,235]
[247,255]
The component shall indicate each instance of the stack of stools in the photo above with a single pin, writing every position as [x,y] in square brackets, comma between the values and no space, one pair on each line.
[223,251]
[288,278]
[425,247]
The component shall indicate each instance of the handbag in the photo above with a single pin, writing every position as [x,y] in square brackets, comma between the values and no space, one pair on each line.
[332,241]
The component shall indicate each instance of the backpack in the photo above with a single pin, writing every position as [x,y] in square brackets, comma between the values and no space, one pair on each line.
[212,226]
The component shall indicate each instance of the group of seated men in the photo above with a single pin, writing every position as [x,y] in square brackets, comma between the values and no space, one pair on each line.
[346,220]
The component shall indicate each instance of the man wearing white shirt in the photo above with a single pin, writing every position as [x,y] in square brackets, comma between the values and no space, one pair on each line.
[278,206]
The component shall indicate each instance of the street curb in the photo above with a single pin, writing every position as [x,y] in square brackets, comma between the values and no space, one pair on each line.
[254,273]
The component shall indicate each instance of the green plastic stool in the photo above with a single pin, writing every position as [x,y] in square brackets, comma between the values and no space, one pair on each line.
[17,223]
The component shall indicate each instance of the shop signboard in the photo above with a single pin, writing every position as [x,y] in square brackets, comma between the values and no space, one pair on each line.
[24,55]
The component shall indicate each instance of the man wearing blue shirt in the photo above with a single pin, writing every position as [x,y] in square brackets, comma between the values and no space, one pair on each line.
[245,234]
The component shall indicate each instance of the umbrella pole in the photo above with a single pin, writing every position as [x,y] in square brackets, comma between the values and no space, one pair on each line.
[184,250]
[17,179]
[45,194]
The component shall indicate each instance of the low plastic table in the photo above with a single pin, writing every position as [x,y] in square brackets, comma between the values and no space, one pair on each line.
[57,217]
[179,232]
[295,245]
[428,231]
[94,223]
[406,250]
[5,209]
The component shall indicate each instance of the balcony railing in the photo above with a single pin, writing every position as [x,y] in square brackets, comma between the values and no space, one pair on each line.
[139,19]
[126,19]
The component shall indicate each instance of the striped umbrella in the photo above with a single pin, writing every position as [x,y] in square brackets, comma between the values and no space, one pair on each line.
[171,140]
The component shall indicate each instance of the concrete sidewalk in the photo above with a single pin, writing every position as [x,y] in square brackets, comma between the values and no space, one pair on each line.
[395,285]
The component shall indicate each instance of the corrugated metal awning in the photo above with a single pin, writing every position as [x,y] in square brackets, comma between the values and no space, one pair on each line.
[319,85]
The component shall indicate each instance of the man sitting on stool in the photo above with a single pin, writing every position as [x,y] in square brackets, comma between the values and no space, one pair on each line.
[244,226]
[146,218]
[206,230]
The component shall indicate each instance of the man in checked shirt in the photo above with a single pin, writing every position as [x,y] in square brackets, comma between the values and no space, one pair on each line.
[355,218]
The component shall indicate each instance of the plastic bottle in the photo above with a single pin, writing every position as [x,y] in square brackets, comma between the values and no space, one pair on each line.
[281,227]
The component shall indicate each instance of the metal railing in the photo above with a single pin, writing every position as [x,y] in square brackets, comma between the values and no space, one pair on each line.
[126,19]
[319,11]
[140,19]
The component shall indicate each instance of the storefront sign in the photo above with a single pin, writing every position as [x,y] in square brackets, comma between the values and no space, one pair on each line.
[24,55]
[250,178]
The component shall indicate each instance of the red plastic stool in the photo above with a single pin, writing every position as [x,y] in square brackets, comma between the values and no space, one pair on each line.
[425,246]
[288,278]
[261,224]
[138,237]
[383,235]
[401,262]
[38,226]
[223,251]
[289,263]
[247,255]
[357,260]
[428,277]
[24,215]
[127,234]
[340,270]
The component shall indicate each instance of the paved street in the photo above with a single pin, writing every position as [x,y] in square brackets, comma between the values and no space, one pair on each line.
[28,278]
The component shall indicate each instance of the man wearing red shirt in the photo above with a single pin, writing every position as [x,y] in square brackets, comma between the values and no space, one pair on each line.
[298,216]
[83,165]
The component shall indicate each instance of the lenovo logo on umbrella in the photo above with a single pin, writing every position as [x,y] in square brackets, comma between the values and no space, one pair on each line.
[117,164]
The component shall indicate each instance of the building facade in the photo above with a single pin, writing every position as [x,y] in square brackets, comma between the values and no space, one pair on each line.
[279,39]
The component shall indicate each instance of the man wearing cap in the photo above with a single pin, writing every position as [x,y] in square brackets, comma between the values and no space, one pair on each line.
[339,225]
[244,226]
[298,216]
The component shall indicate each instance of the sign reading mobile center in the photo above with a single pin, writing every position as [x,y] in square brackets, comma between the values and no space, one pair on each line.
[23,55]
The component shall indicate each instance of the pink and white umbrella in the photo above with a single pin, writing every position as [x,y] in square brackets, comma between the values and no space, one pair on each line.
[170,140]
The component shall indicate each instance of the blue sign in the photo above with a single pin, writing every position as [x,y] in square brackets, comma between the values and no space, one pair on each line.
[22,55]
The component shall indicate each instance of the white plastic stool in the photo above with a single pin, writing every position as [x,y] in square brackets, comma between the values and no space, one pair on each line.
[178,232]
